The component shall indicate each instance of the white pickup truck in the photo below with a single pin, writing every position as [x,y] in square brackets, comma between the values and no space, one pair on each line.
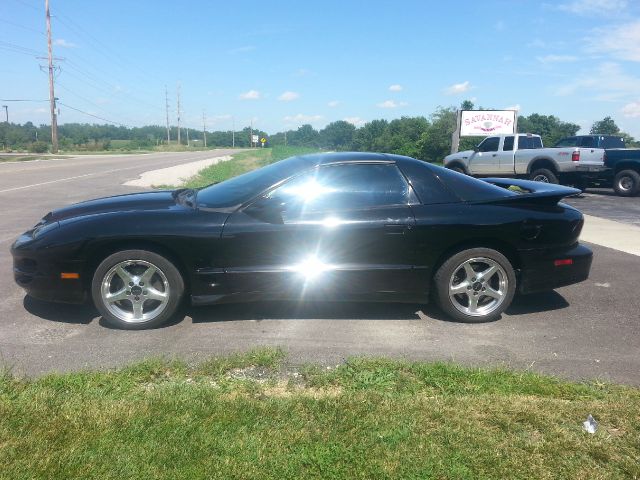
[523,155]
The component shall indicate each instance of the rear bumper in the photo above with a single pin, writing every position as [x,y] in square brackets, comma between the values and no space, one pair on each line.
[540,273]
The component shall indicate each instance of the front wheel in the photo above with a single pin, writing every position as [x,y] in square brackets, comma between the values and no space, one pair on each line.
[136,289]
[626,183]
[544,175]
[475,285]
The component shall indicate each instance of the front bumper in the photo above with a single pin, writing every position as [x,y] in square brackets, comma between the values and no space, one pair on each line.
[539,271]
[39,274]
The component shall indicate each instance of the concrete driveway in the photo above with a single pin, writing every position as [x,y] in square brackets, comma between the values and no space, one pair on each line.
[586,331]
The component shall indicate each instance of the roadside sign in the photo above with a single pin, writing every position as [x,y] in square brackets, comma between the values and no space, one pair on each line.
[263,140]
[255,138]
[487,122]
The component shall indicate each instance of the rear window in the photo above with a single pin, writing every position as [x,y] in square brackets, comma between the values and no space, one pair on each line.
[613,142]
[529,143]
[468,188]
[567,142]
[588,142]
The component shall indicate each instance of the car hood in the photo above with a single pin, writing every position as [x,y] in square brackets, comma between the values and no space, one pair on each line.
[130,202]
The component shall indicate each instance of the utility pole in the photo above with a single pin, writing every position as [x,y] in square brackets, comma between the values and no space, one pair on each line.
[52,96]
[178,108]
[285,138]
[204,129]
[166,102]
[233,133]
[251,133]
[187,136]
[6,111]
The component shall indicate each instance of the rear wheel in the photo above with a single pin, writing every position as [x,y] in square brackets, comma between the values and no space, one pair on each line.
[544,175]
[475,285]
[459,170]
[136,289]
[626,183]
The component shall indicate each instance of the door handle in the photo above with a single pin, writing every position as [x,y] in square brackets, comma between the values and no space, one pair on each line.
[494,155]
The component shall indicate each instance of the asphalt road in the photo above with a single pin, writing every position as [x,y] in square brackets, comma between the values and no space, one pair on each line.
[586,331]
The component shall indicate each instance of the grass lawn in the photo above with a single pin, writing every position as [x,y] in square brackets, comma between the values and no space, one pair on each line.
[250,416]
[28,157]
[243,162]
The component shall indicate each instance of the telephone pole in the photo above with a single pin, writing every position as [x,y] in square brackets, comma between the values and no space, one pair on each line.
[6,112]
[251,133]
[233,133]
[204,128]
[178,108]
[52,96]
[166,102]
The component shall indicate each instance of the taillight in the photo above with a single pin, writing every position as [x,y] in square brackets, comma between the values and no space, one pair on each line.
[564,261]
[575,156]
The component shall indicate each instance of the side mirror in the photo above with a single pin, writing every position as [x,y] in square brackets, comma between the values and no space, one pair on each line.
[266,209]
[476,148]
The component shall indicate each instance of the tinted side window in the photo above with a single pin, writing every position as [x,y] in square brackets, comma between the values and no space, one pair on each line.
[567,142]
[489,144]
[508,144]
[342,187]
[425,183]
[589,142]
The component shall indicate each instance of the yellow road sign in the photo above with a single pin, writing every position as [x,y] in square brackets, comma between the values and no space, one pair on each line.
[263,140]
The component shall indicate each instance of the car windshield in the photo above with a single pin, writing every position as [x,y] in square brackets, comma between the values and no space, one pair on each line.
[238,190]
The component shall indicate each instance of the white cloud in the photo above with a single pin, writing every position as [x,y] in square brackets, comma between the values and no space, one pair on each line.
[243,49]
[515,107]
[391,104]
[333,103]
[288,96]
[622,42]
[608,81]
[631,109]
[61,42]
[395,88]
[593,7]
[250,95]
[301,119]
[458,88]
[557,59]
[356,121]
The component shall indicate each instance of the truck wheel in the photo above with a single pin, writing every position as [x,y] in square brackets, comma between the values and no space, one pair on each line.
[544,175]
[626,183]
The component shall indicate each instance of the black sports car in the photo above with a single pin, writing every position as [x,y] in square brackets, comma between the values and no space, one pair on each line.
[339,226]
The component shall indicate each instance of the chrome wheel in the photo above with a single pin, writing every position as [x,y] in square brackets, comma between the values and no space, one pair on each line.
[478,286]
[541,178]
[135,291]
[625,184]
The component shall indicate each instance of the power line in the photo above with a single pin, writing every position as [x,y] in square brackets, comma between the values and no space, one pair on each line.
[84,99]
[24,27]
[94,116]
[20,100]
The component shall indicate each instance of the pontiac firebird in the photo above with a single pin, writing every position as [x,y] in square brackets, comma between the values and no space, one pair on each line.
[331,227]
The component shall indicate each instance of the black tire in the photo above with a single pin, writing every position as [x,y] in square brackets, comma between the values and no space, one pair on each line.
[626,183]
[540,174]
[453,304]
[160,295]
[581,184]
[458,169]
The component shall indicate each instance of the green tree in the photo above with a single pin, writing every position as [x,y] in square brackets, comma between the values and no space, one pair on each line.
[549,127]
[338,135]
[606,126]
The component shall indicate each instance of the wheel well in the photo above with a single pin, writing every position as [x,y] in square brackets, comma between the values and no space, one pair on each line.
[543,163]
[504,248]
[99,253]
[455,164]
[635,166]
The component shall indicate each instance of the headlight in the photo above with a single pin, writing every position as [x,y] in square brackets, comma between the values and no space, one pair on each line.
[42,229]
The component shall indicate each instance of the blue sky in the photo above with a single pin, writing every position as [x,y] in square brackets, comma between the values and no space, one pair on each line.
[285,63]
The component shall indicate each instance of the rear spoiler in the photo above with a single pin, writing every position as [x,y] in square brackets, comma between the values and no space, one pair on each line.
[530,192]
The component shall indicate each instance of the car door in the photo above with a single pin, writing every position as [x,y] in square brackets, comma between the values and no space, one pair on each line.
[505,156]
[485,161]
[336,231]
